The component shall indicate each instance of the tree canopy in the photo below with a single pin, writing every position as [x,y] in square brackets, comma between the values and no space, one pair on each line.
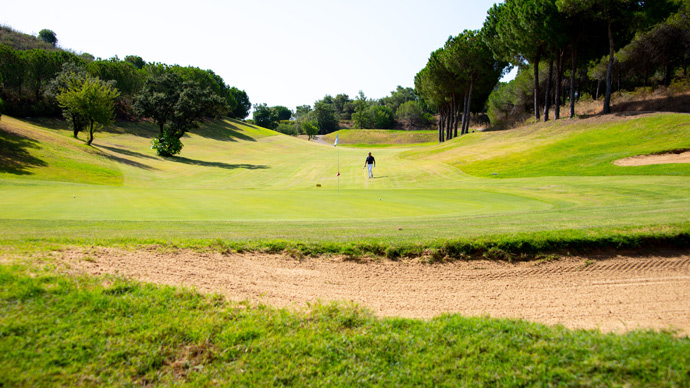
[90,98]
[48,36]
[176,106]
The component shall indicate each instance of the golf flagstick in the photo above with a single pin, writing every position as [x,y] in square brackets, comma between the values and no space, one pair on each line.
[336,146]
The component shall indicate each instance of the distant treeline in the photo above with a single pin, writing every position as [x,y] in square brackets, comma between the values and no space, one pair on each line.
[403,109]
[28,76]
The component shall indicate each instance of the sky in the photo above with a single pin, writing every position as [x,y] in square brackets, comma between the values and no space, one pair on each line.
[286,53]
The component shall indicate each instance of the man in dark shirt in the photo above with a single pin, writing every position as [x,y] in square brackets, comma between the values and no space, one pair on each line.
[369,163]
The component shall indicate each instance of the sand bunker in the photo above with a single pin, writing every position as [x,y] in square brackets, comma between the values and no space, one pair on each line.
[643,160]
[613,294]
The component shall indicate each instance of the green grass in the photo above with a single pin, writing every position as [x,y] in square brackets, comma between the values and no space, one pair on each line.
[567,148]
[30,152]
[378,138]
[237,187]
[251,187]
[59,330]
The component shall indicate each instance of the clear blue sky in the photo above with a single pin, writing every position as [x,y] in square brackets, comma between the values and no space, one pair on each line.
[280,52]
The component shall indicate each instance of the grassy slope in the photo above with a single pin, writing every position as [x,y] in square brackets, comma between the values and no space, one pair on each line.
[376,138]
[247,184]
[31,152]
[567,148]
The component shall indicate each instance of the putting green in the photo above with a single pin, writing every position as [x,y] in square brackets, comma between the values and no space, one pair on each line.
[88,202]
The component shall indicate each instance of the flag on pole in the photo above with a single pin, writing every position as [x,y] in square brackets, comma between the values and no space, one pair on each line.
[336,140]
[338,173]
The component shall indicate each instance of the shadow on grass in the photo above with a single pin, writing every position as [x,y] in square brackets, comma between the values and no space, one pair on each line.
[222,130]
[14,155]
[180,159]
[128,162]
[127,152]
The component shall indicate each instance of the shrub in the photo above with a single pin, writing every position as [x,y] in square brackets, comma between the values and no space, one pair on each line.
[288,128]
[166,145]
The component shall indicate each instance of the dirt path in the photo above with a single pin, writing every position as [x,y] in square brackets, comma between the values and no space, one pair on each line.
[616,294]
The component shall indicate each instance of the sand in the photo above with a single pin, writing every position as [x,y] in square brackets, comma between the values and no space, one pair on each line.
[644,160]
[612,294]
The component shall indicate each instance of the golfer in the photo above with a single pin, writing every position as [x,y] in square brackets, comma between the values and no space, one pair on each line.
[369,163]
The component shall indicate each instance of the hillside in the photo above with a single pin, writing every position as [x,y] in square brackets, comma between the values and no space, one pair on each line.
[232,172]
[226,153]
[21,41]
[585,147]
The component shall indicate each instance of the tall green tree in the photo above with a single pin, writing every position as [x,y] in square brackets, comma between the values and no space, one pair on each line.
[265,116]
[90,98]
[325,117]
[176,106]
[622,19]
[410,115]
[519,31]
[340,102]
[361,117]
[242,104]
[310,128]
[435,83]
[13,67]
[69,74]
[283,112]
[382,117]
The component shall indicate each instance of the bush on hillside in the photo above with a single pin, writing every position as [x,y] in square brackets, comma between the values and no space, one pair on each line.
[166,145]
[288,128]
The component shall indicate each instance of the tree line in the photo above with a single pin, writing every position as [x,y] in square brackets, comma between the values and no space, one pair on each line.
[402,109]
[89,92]
[558,45]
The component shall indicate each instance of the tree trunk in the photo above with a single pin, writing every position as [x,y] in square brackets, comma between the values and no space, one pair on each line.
[468,107]
[547,94]
[609,70]
[464,112]
[557,113]
[88,142]
[573,70]
[456,118]
[449,119]
[75,127]
[440,126]
[536,84]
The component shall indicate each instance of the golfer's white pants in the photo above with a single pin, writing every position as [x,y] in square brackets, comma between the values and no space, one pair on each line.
[371,173]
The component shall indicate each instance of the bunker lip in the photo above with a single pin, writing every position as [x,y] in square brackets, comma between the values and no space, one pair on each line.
[645,160]
[611,294]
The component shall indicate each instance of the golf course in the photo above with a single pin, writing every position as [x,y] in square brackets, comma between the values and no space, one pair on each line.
[123,267]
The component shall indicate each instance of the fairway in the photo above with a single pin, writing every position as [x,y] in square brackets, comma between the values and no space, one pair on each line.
[248,183]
